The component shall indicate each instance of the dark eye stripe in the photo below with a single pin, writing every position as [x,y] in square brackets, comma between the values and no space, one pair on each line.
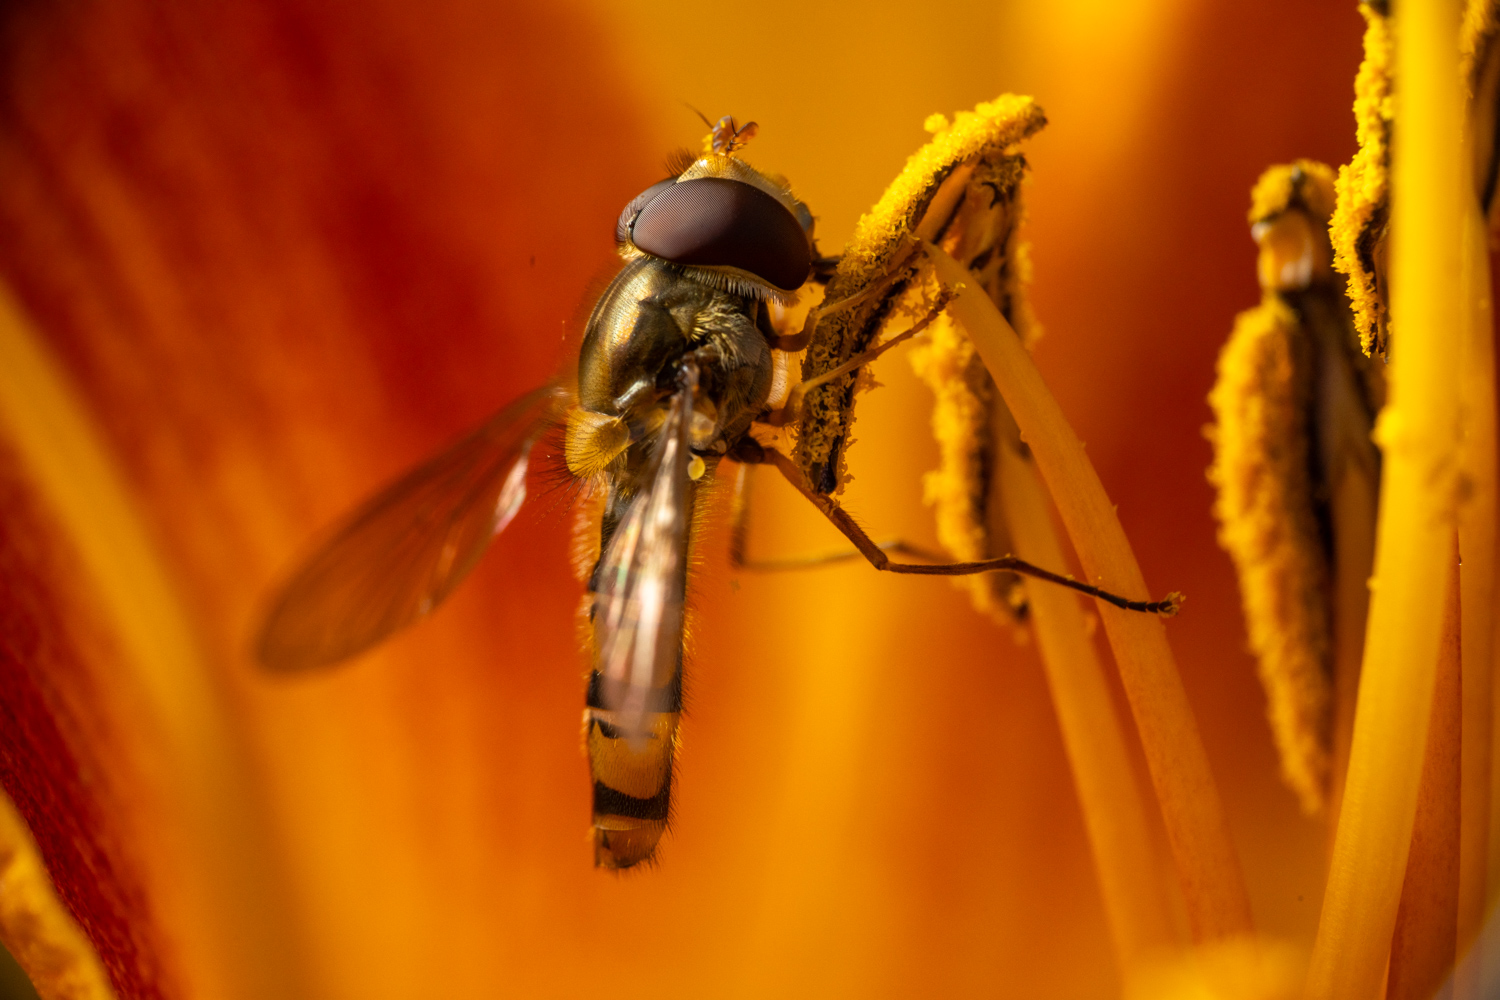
[716,222]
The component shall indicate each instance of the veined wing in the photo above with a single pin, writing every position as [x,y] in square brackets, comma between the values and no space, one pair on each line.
[401,553]
[642,578]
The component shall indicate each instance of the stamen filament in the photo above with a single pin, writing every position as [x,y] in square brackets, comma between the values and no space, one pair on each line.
[1207,866]
[1352,511]
[1425,941]
[1476,543]
[1114,813]
[1418,435]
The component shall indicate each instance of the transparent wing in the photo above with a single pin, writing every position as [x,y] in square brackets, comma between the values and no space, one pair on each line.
[643,576]
[401,553]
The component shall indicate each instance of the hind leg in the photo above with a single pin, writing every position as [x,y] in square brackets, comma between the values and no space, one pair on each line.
[739,538]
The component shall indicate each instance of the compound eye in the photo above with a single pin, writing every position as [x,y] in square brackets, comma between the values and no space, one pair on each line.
[717,222]
[640,201]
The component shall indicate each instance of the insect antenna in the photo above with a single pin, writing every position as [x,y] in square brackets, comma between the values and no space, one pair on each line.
[699,114]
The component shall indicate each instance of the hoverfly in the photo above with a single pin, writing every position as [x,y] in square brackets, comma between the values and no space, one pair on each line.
[676,365]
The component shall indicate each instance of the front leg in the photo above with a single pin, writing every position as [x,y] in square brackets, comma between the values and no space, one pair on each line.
[791,410]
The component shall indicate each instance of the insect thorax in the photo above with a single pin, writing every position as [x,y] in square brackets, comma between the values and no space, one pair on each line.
[651,318]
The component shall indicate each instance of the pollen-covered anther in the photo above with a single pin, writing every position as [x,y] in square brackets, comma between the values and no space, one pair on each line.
[960,192]
[1294,252]
[1296,474]
[1361,221]
[1289,211]
[1265,511]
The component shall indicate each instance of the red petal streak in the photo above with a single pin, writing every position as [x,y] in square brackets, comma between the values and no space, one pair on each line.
[54,750]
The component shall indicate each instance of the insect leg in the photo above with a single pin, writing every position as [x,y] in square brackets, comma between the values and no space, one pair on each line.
[739,539]
[792,409]
[877,557]
[799,341]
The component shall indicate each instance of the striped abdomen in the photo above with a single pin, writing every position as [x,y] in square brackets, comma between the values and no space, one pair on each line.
[632,775]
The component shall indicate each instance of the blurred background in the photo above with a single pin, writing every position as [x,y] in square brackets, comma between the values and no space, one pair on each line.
[283,250]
